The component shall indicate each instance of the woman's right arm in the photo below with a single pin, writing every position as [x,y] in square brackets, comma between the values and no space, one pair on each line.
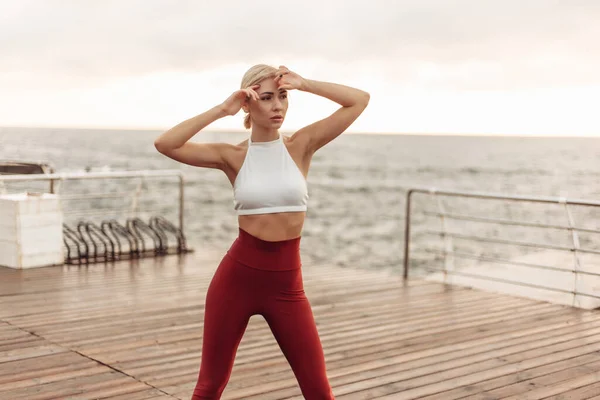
[175,143]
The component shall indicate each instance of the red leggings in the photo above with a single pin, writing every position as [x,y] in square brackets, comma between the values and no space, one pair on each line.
[260,277]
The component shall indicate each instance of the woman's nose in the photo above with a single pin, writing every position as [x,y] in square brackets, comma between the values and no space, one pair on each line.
[277,104]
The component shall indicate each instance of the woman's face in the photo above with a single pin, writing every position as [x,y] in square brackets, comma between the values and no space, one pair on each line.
[269,111]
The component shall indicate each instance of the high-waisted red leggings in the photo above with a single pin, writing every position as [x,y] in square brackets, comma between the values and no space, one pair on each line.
[260,277]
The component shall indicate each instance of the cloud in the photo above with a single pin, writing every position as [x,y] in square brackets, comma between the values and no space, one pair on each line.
[462,44]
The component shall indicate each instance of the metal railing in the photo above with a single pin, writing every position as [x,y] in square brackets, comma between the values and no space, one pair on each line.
[575,248]
[55,178]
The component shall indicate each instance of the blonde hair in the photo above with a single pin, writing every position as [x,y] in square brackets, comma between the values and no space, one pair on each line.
[253,76]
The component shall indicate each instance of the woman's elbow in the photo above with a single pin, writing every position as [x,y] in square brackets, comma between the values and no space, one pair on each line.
[365,97]
[160,146]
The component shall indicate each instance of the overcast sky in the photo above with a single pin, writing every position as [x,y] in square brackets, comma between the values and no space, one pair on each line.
[431,66]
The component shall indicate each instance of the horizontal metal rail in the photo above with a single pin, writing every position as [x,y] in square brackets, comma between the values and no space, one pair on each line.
[595,296]
[111,195]
[109,211]
[58,177]
[495,196]
[575,249]
[92,175]
[504,261]
[506,222]
[511,242]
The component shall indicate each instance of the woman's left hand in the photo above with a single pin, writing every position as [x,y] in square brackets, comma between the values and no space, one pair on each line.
[286,79]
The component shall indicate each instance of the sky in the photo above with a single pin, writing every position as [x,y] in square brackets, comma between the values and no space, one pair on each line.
[524,67]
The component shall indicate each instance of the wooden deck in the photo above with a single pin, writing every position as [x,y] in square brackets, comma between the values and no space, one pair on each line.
[132,330]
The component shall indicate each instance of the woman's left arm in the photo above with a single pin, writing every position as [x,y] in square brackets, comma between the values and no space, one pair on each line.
[318,134]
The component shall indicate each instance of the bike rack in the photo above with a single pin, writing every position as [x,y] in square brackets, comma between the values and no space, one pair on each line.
[112,241]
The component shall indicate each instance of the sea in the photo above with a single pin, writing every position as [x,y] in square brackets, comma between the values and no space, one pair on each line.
[358,186]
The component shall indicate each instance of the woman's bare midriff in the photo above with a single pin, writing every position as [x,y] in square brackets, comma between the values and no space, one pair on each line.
[271,227]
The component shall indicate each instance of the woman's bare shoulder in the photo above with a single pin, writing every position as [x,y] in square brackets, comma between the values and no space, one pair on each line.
[242,145]
[233,154]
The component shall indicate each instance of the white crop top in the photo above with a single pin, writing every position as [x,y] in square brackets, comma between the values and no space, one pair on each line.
[269,181]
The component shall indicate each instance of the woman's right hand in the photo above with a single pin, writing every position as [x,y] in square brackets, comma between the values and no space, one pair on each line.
[234,103]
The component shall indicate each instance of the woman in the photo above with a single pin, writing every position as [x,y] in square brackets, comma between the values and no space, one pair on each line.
[261,274]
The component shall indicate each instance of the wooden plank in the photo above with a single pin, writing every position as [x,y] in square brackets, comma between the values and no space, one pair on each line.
[544,376]
[148,394]
[30,352]
[461,371]
[98,383]
[510,384]
[34,365]
[562,388]
[40,372]
[152,394]
[584,392]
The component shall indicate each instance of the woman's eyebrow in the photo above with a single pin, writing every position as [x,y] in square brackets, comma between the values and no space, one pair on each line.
[281,91]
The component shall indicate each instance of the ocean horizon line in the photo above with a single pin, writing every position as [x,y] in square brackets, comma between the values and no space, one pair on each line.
[349,132]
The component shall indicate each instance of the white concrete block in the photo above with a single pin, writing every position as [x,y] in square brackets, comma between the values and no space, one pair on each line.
[9,254]
[47,218]
[8,233]
[8,209]
[31,230]
[43,259]
[41,240]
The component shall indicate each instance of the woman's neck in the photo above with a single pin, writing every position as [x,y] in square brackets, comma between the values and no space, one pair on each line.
[264,135]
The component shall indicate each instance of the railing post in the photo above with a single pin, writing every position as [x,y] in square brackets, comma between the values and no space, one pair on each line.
[51,170]
[181,201]
[135,198]
[576,247]
[448,244]
[407,233]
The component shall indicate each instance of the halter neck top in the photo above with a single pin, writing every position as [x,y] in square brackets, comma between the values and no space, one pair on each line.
[269,181]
